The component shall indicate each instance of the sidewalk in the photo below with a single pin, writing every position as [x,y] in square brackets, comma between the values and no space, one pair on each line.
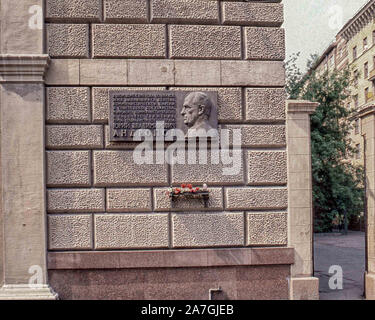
[349,253]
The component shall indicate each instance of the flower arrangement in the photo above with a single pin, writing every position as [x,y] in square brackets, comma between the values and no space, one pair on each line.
[187,189]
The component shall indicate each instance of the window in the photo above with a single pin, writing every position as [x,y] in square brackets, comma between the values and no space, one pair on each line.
[358,151]
[365,73]
[365,44]
[355,98]
[355,76]
[366,94]
[356,126]
[354,53]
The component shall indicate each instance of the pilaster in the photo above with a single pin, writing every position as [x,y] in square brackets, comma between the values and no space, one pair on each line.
[23,202]
[302,285]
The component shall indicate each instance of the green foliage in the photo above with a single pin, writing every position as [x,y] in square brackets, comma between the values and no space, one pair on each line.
[337,183]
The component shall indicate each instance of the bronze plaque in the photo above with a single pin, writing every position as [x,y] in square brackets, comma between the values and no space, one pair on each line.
[134,110]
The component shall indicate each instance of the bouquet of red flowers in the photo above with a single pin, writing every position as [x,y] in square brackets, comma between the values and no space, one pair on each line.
[186,188]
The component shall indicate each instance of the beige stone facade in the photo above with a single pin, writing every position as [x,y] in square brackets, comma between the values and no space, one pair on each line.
[354,47]
[87,193]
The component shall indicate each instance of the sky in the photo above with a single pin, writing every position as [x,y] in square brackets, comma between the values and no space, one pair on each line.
[311,25]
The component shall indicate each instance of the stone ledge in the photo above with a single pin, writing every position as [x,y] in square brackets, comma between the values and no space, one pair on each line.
[365,111]
[166,72]
[26,292]
[23,67]
[170,258]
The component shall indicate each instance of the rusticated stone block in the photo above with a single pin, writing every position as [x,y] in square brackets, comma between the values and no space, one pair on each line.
[118,168]
[68,105]
[265,104]
[253,14]
[205,42]
[69,232]
[74,10]
[129,40]
[256,198]
[63,72]
[210,173]
[208,229]
[130,11]
[130,231]
[190,11]
[252,73]
[259,136]
[128,200]
[75,200]
[229,101]
[267,228]
[100,101]
[162,201]
[266,167]
[74,136]
[68,40]
[265,43]
[68,168]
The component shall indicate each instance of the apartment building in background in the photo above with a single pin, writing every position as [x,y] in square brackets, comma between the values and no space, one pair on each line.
[354,46]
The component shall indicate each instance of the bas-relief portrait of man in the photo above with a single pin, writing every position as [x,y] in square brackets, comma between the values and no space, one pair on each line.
[194,113]
[199,114]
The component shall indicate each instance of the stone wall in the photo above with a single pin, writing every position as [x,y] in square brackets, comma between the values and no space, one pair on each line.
[97,197]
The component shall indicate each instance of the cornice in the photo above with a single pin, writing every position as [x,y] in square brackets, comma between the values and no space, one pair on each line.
[301,106]
[366,110]
[23,68]
[359,21]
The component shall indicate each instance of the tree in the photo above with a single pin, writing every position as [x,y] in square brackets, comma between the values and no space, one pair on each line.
[337,183]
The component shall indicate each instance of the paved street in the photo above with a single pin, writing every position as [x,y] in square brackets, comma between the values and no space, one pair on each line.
[349,253]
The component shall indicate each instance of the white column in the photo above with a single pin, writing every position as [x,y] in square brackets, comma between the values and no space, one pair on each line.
[302,284]
[23,204]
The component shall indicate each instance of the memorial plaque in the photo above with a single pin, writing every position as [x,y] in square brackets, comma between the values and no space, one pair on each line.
[134,110]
